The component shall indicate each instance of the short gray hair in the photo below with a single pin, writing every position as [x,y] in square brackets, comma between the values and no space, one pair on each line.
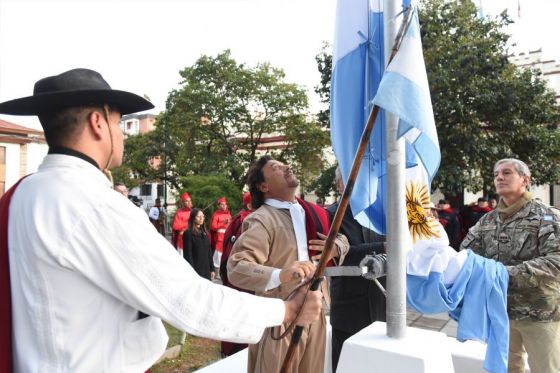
[520,166]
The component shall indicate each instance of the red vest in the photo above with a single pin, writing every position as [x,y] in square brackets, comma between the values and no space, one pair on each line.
[5,291]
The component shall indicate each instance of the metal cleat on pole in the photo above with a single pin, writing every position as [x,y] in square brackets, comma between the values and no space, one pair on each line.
[371,267]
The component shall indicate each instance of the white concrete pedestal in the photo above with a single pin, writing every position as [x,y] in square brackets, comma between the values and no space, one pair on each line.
[421,351]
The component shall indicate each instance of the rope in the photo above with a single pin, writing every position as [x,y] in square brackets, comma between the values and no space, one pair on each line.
[106,170]
[292,324]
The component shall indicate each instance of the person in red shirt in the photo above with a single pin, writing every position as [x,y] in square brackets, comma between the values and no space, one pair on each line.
[218,225]
[181,221]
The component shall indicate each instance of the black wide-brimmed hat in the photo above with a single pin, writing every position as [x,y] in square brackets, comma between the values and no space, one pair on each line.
[78,87]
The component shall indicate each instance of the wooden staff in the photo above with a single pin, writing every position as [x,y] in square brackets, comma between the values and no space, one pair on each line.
[339,215]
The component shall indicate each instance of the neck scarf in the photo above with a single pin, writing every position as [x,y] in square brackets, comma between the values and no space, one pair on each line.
[508,211]
[298,219]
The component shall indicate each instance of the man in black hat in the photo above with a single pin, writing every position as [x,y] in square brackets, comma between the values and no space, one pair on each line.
[85,266]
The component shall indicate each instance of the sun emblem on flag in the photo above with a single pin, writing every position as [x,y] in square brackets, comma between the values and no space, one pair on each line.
[420,223]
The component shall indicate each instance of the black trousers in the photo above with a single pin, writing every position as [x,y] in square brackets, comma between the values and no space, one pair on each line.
[337,340]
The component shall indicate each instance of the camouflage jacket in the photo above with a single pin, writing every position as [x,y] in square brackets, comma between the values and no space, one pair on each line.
[528,244]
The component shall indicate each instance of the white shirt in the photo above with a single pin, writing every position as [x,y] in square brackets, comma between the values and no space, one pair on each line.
[84,261]
[154,212]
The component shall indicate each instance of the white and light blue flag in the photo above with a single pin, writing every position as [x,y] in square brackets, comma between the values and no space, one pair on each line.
[358,64]
[470,288]
[404,91]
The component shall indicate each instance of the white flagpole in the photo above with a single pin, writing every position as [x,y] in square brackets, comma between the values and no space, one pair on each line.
[397,224]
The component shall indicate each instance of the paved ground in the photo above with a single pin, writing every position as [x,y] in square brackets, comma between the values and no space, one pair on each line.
[439,322]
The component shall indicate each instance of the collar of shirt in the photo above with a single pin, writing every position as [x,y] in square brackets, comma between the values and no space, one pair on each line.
[61,161]
[72,152]
[298,221]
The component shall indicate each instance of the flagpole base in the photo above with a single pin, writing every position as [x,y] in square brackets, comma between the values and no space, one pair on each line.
[371,350]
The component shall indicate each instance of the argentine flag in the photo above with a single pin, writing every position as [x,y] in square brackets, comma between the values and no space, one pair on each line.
[470,288]
[358,65]
[404,91]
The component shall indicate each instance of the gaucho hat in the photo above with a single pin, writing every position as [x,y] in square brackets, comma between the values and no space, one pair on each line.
[77,87]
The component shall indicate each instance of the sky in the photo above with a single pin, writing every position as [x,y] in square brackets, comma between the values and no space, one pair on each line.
[141,45]
[535,23]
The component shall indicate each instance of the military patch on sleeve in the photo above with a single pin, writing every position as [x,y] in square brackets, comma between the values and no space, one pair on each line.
[548,218]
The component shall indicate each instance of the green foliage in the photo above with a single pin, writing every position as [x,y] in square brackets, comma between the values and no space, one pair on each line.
[324,65]
[319,178]
[140,153]
[485,108]
[325,183]
[205,191]
[216,122]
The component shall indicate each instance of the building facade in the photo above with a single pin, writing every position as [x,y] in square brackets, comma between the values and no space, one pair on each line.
[137,124]
[22,150]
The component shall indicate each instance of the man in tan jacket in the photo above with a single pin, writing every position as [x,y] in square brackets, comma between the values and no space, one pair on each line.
[273,255]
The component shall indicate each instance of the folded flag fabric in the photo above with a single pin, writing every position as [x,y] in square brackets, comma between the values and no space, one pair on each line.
[472,289]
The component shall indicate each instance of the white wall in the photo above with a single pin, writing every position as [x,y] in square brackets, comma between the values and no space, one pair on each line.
[542,192]
[35,154]
[12,164]
[470,197]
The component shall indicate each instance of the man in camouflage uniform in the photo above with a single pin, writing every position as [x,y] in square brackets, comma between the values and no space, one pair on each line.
[524,235]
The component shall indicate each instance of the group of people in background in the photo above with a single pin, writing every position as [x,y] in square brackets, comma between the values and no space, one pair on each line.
[457,222]
[200,247]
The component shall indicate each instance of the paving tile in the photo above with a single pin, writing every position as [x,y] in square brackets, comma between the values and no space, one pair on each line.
[412,316]
[438,316]
[450,330]
[426,328]
[429,323]
[452,323]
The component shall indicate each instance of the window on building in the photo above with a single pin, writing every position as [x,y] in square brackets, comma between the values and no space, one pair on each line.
[160,190]
[146,190]
[131,127]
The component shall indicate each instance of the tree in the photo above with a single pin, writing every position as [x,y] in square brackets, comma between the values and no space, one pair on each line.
[485,108]
[215,123]
[325,183]
[205,191]
[324,65]
[141,160]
